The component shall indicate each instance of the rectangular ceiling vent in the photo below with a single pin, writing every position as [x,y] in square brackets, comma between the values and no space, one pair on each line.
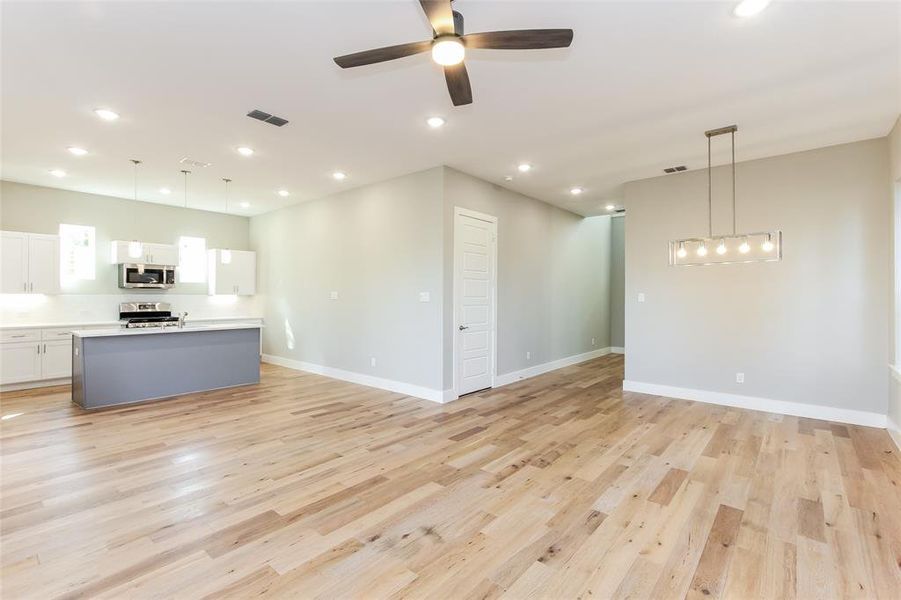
[190,162]
[678,169]
[267,118]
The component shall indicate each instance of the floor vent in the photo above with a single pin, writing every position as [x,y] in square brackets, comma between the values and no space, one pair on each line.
[267,118]
[678,169]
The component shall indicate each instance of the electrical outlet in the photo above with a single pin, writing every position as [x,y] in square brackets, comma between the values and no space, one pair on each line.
[739,378]
[371,361]
[592,341]
[641,296]
[333,296]
[528,356]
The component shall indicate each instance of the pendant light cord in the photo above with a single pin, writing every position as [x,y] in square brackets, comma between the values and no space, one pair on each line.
[186,187]
[227,181]
[733,182]
[709,193]
[136,162]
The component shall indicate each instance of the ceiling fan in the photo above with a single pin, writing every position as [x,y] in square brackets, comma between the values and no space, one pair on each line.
[449,44]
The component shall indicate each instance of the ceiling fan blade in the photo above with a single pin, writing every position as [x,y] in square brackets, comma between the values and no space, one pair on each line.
[440,15]
[520,39]
[368,57]
[458,84]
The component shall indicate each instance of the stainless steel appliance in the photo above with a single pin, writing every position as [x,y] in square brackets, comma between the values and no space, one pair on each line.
[146,276]
[147,314]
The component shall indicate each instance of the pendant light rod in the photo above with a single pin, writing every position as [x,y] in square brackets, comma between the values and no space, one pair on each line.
[186,186]
[227,181]
[730,129]
[135,162]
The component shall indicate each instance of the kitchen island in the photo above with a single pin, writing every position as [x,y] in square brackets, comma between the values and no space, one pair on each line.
[123,366]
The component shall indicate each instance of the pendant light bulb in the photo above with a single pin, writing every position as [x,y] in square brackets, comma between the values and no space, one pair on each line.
[702,249]
[745,247]
[721,247]
[681,253]
[768,245]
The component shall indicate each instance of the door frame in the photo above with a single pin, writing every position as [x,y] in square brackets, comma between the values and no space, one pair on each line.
[492,288]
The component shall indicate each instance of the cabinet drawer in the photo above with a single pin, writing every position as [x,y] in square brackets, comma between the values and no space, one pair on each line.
[57,333]
[20,335]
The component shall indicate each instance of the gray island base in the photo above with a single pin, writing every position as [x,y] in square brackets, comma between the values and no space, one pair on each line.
[124,366]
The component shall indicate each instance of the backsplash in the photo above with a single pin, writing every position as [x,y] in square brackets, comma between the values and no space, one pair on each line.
[26,309]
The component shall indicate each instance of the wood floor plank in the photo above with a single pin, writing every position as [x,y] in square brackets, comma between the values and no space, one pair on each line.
[558,486]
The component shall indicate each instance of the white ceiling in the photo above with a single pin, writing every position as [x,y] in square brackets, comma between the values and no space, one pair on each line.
[633,94]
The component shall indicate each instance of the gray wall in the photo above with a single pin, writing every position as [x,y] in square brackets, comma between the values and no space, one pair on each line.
[36,209]
[618,282]
[553,275]
[894,409]
[810,329]
[378,246]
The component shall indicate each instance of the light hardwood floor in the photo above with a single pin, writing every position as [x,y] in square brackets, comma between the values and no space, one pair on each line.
[560,486]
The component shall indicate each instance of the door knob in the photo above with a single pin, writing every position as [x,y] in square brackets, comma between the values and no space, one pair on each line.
[462,327]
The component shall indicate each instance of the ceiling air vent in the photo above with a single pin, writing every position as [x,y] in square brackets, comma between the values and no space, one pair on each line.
[678,169]
[267,118]
[190,162]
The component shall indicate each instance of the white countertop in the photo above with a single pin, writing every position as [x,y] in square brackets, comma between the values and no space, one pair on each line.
[112,324]
[188,328]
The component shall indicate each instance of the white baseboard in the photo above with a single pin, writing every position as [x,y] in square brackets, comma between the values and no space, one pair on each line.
[30,385]
[894,431]
[796,409]
[617,350]
[508,378]
[440,396]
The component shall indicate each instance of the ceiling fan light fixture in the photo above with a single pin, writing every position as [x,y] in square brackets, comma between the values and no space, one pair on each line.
[448,50]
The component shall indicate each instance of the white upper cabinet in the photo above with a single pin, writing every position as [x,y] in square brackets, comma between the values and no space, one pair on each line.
[232,272]
[143,253]
[30,263]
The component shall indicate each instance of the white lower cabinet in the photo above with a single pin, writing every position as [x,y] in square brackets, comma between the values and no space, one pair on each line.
[20,361]
[56,359]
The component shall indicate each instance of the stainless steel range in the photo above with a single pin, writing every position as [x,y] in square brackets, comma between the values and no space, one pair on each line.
[147,314]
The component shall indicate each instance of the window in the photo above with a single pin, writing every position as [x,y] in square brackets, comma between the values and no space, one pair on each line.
[77,253]
[191,259]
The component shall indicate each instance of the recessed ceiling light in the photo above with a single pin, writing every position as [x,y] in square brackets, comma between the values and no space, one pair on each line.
[245,205]
[609,207]
[435,122]
[77,151]
[749,8]
[165,191]
[524,167]
[508,177]
[58,173]
[576,191]
[338,175]
[245,151]
[284,193]
[106,114]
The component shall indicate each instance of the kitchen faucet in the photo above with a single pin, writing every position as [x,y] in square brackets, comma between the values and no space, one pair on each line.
[181,319]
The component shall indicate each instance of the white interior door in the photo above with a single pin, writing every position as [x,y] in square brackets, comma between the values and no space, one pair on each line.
[475,239]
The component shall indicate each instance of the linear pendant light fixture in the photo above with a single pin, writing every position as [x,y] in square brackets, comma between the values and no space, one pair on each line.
[728,248]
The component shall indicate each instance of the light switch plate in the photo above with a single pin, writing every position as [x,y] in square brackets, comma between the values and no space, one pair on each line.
[333,296]
[739,378]
[425,297]
[641,296]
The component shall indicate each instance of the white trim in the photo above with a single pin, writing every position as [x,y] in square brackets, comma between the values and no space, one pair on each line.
[797,409]
[896,372]
[617,350]
[894,431]
[360,378]
[465,212]
[31,385]
[508,378]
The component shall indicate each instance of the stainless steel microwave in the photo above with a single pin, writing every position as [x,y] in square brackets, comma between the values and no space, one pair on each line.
[146,276]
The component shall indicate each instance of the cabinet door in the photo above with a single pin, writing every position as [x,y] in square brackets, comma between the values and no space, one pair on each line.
[13,262]
[43,263]
[56,359]
[220,275]
[162,254]
[245,272]
[20,361]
